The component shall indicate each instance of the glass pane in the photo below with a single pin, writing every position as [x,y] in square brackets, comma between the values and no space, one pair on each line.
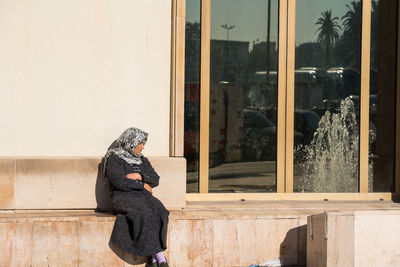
[243,95]
[192,94]
[382,106]
[327,96]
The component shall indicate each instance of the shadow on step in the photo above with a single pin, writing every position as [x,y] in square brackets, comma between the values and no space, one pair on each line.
[293,249]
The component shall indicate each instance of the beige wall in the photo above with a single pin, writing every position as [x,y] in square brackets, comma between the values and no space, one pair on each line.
[75,73]
[74,183]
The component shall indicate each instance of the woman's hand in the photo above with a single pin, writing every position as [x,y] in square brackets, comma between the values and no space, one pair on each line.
[148,188]
[134,176]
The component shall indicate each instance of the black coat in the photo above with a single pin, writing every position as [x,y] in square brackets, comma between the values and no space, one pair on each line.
[142,220]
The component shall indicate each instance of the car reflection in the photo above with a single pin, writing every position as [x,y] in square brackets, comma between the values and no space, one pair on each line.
[243,119]
[259,136]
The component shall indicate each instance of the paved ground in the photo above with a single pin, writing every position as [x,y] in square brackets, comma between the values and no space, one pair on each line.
[253,177]
[239,177]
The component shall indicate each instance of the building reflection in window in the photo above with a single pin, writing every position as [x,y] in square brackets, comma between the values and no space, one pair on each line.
[243,96]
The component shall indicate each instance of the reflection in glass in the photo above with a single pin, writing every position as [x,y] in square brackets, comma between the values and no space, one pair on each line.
[327,93]
[243,96]
[192,94]
[382,106]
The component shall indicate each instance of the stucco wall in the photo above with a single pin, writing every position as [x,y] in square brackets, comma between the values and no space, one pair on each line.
[75,73]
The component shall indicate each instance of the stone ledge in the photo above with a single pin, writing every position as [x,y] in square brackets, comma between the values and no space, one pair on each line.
[63,215]
[70,183]
[81,237]
[199,235]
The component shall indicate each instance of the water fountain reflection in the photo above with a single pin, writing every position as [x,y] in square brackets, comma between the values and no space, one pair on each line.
[330,162]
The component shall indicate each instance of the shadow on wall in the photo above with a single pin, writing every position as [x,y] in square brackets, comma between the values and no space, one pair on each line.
[103,190]
[293,249]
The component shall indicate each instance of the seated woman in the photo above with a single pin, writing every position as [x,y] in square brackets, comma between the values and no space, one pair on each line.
[142,220]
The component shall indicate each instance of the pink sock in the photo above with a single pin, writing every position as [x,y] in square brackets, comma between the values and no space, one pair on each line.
[160,257]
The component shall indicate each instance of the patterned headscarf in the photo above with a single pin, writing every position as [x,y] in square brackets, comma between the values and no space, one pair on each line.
[124,145]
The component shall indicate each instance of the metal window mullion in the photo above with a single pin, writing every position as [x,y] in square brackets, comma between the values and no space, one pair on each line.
[173,81]
[204,95]
[281,138]
[397,158]
[364,94]
[291,34]
[284,196]
[177,78]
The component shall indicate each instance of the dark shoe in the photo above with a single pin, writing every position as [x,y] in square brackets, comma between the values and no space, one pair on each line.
[149,263]
[164,264]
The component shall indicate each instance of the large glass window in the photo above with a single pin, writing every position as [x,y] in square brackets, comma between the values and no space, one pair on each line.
[327,96]
[324,89]
[243,96]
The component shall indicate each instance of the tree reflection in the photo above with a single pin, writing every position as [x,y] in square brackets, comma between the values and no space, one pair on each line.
[328,32]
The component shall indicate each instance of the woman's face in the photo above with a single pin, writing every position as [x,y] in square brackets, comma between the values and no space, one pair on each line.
[138,149]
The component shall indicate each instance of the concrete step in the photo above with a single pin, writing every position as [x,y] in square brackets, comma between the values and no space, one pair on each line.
[202,234]
[354,239]
[80,238]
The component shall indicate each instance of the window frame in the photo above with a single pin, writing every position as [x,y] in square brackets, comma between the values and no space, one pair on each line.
[286,67]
